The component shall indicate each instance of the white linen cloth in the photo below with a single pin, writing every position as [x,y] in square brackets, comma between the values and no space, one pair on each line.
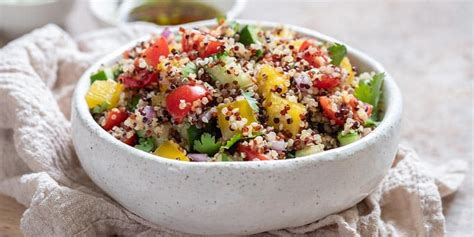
[38,166]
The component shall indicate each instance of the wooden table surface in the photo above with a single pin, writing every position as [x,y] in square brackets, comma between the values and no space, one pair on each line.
[427,47]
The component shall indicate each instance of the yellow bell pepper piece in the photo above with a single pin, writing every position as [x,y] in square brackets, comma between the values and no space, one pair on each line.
[297,43]
[104,91]
[346,64]
[245,111]
[171,150]
[270,80]
[291,120]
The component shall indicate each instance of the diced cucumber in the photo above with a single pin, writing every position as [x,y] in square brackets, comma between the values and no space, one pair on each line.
[248,36]
[347,138]
[309,150]
[219,73]
[102,75]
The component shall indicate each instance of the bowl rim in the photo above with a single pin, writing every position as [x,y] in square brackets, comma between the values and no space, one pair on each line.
[392,99]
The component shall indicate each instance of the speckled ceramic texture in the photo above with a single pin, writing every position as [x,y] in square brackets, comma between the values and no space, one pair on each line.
[237,197]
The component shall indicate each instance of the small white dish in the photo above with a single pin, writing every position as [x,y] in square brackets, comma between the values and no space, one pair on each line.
[220,198]
[20,17]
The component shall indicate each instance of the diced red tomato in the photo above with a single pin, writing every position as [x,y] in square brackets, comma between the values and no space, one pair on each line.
[327,82]
[153,53]
[250,154]
[184,94]
[131,141]
[141,79]
[353,103]
[305,45]
[212,48]
[328,112]
[311,58]
[114,118]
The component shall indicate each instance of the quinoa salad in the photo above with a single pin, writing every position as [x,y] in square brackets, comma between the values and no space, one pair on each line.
[235,92]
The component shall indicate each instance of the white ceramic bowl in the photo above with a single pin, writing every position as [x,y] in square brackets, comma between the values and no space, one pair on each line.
[237,197]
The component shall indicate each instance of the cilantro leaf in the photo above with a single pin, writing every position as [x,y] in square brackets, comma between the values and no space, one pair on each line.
[194,134]
[252,101]
[207,144]
[100,108]
[146,144]
[369,91]
[337,52]
[234,139]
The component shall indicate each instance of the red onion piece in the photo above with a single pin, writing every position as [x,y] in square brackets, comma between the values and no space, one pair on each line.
[303,82]
[149,112]
[206,116]
[166,32]
[278,145]
[198,157]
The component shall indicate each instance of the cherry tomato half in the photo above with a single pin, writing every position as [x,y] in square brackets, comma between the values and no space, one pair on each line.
[153,53]
[114,118]
[184,94]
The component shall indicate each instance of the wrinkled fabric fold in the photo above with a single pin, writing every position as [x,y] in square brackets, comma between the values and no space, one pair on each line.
[39,168]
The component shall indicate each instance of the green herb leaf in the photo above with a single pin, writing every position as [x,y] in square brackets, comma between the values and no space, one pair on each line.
[258,53]
[220,56]
[290,155]
[146,144]
[194,134]
[100,108]
[207,144]
[369,91]
[371,123]
[252,101]
[133,103]
[117,70]
[102,75]
[337,52]
[140,133]
[234,139]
